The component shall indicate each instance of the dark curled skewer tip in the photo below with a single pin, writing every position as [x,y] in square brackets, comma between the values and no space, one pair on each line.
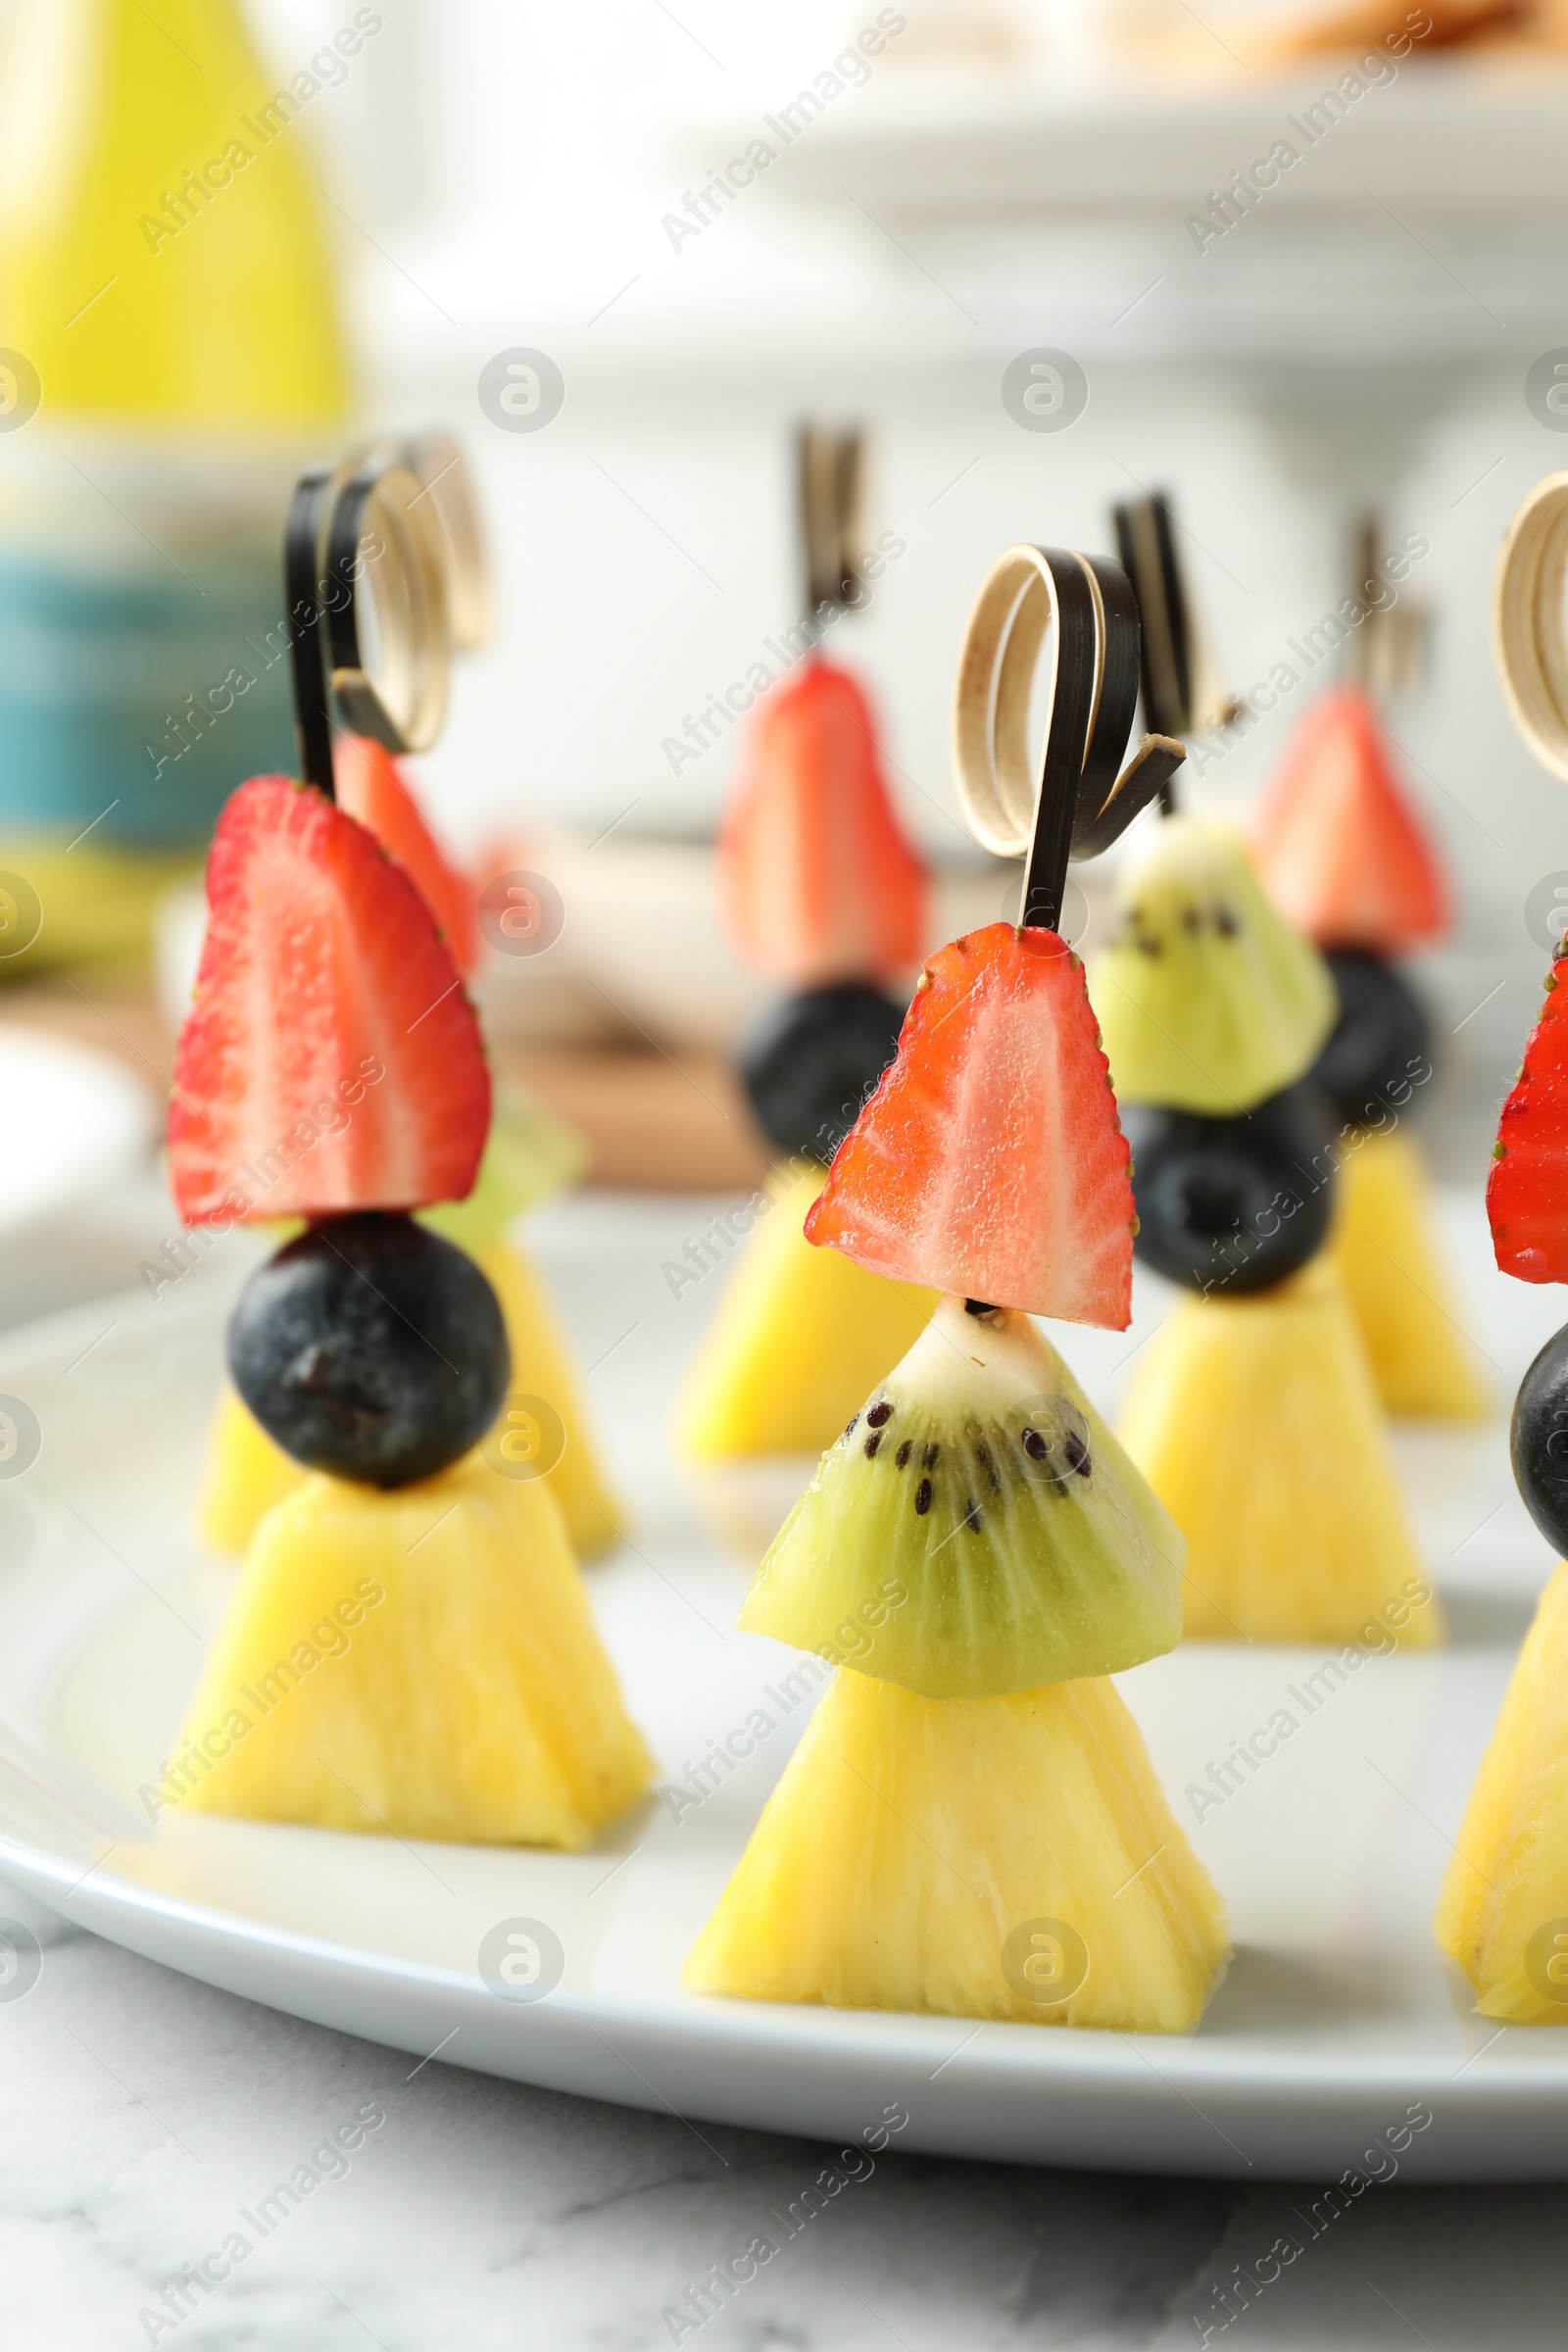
[1085,799]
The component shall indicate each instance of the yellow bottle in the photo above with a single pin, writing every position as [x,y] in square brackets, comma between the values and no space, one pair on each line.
[160,246]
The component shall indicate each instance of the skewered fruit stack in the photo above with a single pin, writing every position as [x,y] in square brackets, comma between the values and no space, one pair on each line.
[820,889]
[970,1824]
[1503,1915]
[1252,1411]
[528,1155]
[1341,853]
[409,1648]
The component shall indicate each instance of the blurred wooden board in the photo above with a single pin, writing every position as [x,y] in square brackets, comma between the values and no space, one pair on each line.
[653,1121]
[108,1006]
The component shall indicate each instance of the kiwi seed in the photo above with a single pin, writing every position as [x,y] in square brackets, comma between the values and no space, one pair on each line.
[879,1415]
[871,1444]
[922,1498]
[902,1457]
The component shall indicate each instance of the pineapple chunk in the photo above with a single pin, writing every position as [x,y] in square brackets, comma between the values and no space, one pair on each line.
[1009,1857]
[244,1475]
[1385,1250]
[542,1366]
[1503,1915]
[246,1472]
[1256,1423]
[798,1340]
[422,1662]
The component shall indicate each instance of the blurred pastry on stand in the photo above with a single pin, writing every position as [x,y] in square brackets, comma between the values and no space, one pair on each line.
[1166,37]
[1338,31]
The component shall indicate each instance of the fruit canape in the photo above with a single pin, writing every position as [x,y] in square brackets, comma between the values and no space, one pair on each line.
[820,889]
[1341,853]
[409,1648]
[1252,1411]
[970,1824]
[528,1155]
[1503,1912]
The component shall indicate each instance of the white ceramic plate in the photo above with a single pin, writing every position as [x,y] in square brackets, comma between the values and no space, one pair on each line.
[1338,2013]
[74,1120]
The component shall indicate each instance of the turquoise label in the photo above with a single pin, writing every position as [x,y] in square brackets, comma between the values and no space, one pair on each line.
[136,707]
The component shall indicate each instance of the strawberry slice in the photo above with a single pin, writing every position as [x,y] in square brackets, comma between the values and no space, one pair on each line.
[331,1059]
[374,787]
[817,882]
[990,1161]
[1527,1190]
[1336,842]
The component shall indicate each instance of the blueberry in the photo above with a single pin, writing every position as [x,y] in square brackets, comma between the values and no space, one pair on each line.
[1379,1041]
[1233,1205]
[1538,1442]
[370,1347]
[810,1062]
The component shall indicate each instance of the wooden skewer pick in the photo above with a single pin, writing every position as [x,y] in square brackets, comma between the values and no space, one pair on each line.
[1085,799]
[830,468]
[1527,622]
[389,682]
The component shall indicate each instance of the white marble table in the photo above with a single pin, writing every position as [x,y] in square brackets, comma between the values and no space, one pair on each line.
[145,2115]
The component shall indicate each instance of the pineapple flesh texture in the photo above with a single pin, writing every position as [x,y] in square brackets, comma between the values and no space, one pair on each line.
[246,1472]
[1258,1424]
[925,1854]
[542,1366]
[1385,1250]
[422,1662]
[244,1475]
[1503,1914]
[799,1337]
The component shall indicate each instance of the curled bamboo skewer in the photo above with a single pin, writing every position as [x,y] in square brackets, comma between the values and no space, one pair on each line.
[1084,798]
[1528,621]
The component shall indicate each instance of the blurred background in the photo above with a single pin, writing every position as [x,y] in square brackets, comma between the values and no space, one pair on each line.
[700,225]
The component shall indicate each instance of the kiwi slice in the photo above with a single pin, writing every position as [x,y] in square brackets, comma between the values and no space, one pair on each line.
[1208,1001]
[976,1528]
